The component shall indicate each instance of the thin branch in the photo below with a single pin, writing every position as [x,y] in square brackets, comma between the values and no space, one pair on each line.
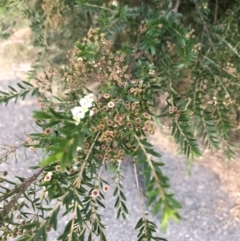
[11,150]
[139,191]
[160,188]
[221,68]
[216,11]
[79,179]
[205,27]
[175,9]
[99,7]
[19,191]
[78,182]
[100,172]
[52,211]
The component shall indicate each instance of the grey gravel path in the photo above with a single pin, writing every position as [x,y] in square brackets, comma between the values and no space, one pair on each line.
[205,213]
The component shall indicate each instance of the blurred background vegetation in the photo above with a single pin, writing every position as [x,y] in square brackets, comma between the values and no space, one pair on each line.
[56,25]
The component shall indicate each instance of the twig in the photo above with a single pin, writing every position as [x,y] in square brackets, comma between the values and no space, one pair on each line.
[139,191]
[78,182]
[19,191]
[216,11]
[205,27]
[99,7]
[11,150]
[175,9]
[79,179]
[161,190]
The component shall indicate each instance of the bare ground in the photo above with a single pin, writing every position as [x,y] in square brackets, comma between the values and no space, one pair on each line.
[227,171]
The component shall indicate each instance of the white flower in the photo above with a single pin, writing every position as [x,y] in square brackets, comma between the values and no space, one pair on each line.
[78,117]
[83,109]
[79,112]
[76,110]
[114,3]
[75,167]
[85,102]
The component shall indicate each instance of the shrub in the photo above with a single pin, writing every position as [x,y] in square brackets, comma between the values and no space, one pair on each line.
[131,53]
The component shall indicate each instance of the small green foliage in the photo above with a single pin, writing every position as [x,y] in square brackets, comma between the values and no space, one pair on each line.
[119,57]
[23,89]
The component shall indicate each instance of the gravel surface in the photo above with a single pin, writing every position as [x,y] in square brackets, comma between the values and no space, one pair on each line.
[205,213]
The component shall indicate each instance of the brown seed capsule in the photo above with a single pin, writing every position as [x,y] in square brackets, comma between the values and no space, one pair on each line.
[29,140]
[191,113]
[23,222]
[129,125]
[105,188]
[47,131]
[106,95]
[109,122]
[108,149]
[58,168]
[4,173]
[32,148]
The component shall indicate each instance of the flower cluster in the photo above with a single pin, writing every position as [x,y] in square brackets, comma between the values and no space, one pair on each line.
[79,112]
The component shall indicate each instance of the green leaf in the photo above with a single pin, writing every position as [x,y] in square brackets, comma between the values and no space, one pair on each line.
[152,50]
[41,115]
[115,191]
[35,91]
[100,203]
[53,219]
[57,114]
[74,237]
[154,153]
[153,193]
[167,215]
[23,239]
[124,207]
[27,83]
[87,131]
[11,88]
[117,202]
[122,196]
[30,225]
[79,217]
[40,232]
[132,98]
[118,213]
[139,223]
[51,159]
[20,86]
[157,207]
